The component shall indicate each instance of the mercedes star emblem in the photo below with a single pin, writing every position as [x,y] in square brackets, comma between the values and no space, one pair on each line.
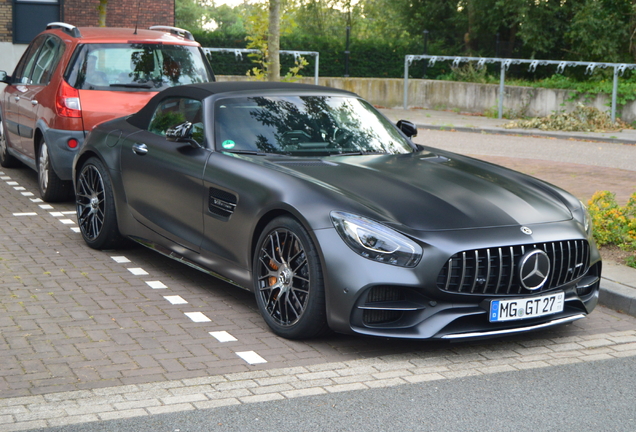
[534,269]
[526,230]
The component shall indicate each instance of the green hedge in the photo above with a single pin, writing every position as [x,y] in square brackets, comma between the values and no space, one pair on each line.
[368,58]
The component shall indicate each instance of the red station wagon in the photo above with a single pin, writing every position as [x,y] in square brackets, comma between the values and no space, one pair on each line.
[72,78]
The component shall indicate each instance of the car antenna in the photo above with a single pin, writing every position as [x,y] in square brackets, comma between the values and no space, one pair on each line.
[137,22]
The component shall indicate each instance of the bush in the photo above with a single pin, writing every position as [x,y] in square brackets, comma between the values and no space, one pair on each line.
[613,224]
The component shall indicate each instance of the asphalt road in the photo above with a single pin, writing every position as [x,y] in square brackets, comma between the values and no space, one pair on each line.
[596,396]
[85,339]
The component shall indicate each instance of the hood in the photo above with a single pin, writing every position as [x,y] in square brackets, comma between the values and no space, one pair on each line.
[427,191]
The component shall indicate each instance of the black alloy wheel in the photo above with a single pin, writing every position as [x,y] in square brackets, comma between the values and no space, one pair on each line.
[288,281]
[95,206]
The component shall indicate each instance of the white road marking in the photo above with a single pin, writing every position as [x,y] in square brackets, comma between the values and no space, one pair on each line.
[156,284]
[120,259]
[36,200]
[67,221]
[69,212]
[251,357]
[13,183]
[175,299]
[137,271]
[46,206]
[223,336]
[27,194]
[56,214]
[25,214]
[76,229]
[19,188]
[197,317]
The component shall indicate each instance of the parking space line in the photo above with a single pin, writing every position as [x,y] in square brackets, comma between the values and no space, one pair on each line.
[19,188]
[36,200]
[156,284]
[120,259]
[137,271]
[175,299]
[46,206]
[251,357]
[27,194]
[67,221]
[197,317]
[25,214]
[223,336]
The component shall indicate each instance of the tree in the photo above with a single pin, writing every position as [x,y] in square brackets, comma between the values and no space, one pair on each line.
[273,41]
[102,13]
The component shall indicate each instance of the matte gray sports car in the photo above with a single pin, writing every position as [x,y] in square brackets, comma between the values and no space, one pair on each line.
[313,200]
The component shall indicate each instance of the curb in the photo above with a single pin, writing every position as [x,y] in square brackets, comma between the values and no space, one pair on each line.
[619,297]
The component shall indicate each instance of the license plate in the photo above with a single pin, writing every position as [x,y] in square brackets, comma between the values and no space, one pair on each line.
[526,308]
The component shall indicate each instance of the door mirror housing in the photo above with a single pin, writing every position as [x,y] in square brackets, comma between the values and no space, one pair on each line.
[408,128]
[5,78]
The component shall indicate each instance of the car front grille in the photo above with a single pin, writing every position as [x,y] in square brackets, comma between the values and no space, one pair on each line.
[496,270]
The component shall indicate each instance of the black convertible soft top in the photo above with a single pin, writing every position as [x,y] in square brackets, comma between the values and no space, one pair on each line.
[203,90]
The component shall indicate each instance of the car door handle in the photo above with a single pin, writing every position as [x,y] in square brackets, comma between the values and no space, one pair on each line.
[16,98]
[140,149]
[34,102]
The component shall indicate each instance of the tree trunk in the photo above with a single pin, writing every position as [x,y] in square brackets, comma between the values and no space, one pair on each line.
[102,12]
[273,41]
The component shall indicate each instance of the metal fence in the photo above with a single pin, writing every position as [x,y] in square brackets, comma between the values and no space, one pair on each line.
[619,69]
[238,53]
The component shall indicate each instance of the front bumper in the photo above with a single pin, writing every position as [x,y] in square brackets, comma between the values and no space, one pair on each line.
[365,297]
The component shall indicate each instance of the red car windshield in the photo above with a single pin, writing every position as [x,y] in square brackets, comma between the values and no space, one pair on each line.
[136,67]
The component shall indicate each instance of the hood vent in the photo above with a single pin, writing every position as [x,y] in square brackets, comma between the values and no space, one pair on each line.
[222,203]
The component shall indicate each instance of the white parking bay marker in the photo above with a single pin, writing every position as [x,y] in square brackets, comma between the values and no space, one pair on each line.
[19,188]
[120,259]
[25,214]
[12,183]
[36,200]
[76,229]
[197,317]
[46,206]
[175,299]
[27,194]
[156,284]
[251,357]
[67,221]
[56,214]
[223,336]
[137,271]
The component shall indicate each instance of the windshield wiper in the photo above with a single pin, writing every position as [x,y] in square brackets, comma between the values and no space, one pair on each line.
[131,85]
[250,152]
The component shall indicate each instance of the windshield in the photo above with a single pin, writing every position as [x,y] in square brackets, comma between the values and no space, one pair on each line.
[304,125]
[137,67]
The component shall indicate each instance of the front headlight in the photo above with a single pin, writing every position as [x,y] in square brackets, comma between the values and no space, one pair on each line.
[376,241]
[583,216]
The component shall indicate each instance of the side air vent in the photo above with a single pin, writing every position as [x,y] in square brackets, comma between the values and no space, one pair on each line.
[222,203]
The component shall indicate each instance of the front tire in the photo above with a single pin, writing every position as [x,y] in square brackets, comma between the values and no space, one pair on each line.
[6,160]
[95,205]
[288,281]
[52,188]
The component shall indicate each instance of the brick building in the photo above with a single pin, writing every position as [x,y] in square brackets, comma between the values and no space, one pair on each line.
[22,20]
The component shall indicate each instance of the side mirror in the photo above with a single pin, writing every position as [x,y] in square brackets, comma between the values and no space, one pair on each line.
[182,133]
[4,77]
[408,128]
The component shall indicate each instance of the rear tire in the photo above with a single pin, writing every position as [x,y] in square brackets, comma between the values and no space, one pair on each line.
[288,281]
[95,205]
[6,160]
[52,188]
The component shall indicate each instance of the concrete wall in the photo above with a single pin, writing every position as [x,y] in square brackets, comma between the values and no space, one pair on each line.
[10,55]
[466,97]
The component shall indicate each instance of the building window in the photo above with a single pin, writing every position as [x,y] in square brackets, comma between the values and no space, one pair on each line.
[31,17]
